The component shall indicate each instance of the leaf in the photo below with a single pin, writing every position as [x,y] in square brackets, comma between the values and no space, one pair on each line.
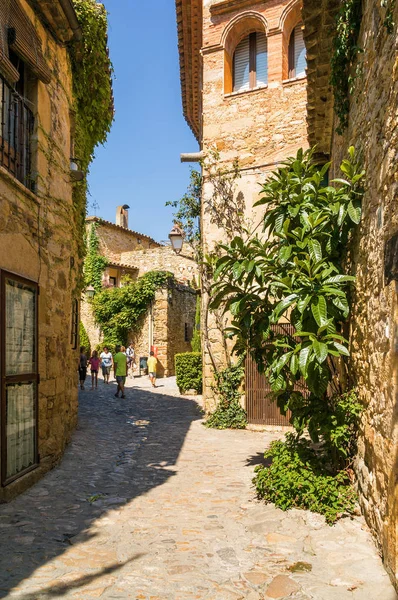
[303,303]
[294,364]
[342,349]
[321,351]
[339,279]
[284,304]
[315,250]
[303,359]
[237,270]
[319,311]
[355,213]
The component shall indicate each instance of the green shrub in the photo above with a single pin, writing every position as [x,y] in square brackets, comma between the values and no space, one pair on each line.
[298,478]
[229,413]
[196,342]
[189,371]
[110,345]
[84,340]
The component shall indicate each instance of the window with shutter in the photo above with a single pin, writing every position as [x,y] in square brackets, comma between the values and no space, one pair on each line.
[251,63]
[297,53]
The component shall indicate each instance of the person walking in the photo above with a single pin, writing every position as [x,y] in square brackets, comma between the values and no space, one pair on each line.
[120,369]
[130,353]
[82,368]
[152,364]
[106,363]
[94,363]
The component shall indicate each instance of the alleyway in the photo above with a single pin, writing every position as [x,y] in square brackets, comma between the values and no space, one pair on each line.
[148,504]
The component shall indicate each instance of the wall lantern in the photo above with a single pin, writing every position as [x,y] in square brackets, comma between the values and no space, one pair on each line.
[75,173]
[90,291]
[176,238]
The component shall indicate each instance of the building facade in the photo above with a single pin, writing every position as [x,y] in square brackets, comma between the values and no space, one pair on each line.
[39,240]
[169,323]
[244,96]
[372,130]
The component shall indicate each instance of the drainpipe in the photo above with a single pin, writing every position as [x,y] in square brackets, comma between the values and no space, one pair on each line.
[70,14]
[150,328]
[192,157]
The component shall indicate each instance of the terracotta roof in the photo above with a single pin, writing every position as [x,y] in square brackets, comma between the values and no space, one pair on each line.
[122,266]
[119,228]
[319,17]
[189,25]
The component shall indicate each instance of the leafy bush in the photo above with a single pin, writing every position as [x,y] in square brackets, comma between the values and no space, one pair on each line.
[229,413]
[84,340]
[298,478]
[120,310]
[189,371]
[196,342]
[110,345]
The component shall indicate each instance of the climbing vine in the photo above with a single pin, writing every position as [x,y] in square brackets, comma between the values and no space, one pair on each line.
[118,311]
[345,52]
[92,94]
[95,263]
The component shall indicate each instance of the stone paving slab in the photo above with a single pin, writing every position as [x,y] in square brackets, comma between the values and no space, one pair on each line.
[147,504]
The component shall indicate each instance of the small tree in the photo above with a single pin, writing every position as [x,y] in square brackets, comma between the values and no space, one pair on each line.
[293,274]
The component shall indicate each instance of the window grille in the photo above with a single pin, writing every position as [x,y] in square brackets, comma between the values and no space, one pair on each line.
[18,376]
[16,130]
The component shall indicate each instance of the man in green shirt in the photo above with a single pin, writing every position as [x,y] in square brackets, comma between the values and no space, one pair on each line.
[120,369]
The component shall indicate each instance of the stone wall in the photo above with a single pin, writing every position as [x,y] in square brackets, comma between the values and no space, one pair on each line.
[373,130]
[183,266]
[114,240]
[39,239]
[259,127]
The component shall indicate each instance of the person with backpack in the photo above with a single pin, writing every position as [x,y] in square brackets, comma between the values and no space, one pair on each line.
[130,353]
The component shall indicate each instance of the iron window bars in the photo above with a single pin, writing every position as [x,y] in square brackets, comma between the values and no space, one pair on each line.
[16,129]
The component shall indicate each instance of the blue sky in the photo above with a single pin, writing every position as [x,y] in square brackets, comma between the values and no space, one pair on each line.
[140,163]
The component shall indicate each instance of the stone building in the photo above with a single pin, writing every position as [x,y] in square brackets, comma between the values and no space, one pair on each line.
[39,265]
[372,129]
[244,93]
[169,323]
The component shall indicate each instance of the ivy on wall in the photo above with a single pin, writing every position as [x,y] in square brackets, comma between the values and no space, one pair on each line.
[95,263]
[118,311]
[345,52]
[92,92]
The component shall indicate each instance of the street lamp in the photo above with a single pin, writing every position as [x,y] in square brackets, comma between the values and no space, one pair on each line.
[176,238]
[90,291]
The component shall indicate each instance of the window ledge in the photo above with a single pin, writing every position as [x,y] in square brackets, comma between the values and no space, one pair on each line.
[9,177]
[294,80]
[241,93]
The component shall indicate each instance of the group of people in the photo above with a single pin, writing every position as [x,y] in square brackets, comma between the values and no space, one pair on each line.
[121,362]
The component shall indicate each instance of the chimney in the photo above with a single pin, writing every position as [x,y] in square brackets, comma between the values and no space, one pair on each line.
[122,216]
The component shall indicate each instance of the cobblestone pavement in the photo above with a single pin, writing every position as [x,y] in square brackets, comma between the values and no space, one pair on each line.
[148,504]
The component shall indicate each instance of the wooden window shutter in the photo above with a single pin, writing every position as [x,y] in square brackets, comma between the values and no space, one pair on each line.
[300,61]
[261,59]
[242,66]
[292,70]
[7,69]
[18,33]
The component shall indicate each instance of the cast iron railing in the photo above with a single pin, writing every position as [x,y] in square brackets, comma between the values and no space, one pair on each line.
[16,129]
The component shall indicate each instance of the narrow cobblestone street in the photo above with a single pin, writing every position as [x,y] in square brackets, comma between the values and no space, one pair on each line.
[148,504]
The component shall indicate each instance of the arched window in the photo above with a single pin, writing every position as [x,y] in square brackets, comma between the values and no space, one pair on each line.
[297,53]
[250,66]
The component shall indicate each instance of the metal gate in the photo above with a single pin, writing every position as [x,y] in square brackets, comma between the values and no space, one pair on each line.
[260,408]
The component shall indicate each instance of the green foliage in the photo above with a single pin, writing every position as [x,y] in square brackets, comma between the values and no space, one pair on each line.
[297,478]
[92,93]
[118,311]
[92,79]
[84,339]
[94,264]
[189,371]
[196,342]
[189,207]
[345,52]
[294,275]
[229,413]
[388,22]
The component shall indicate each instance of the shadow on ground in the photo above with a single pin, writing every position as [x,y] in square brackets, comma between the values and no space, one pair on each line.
[120,450]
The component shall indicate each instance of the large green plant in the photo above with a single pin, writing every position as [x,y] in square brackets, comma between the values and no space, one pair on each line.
[95,263]
[118,311]
[189,371]
[293,274]
[229,413]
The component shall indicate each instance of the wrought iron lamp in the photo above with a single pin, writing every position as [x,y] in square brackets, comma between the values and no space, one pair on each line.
[176,238]
[90,291]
